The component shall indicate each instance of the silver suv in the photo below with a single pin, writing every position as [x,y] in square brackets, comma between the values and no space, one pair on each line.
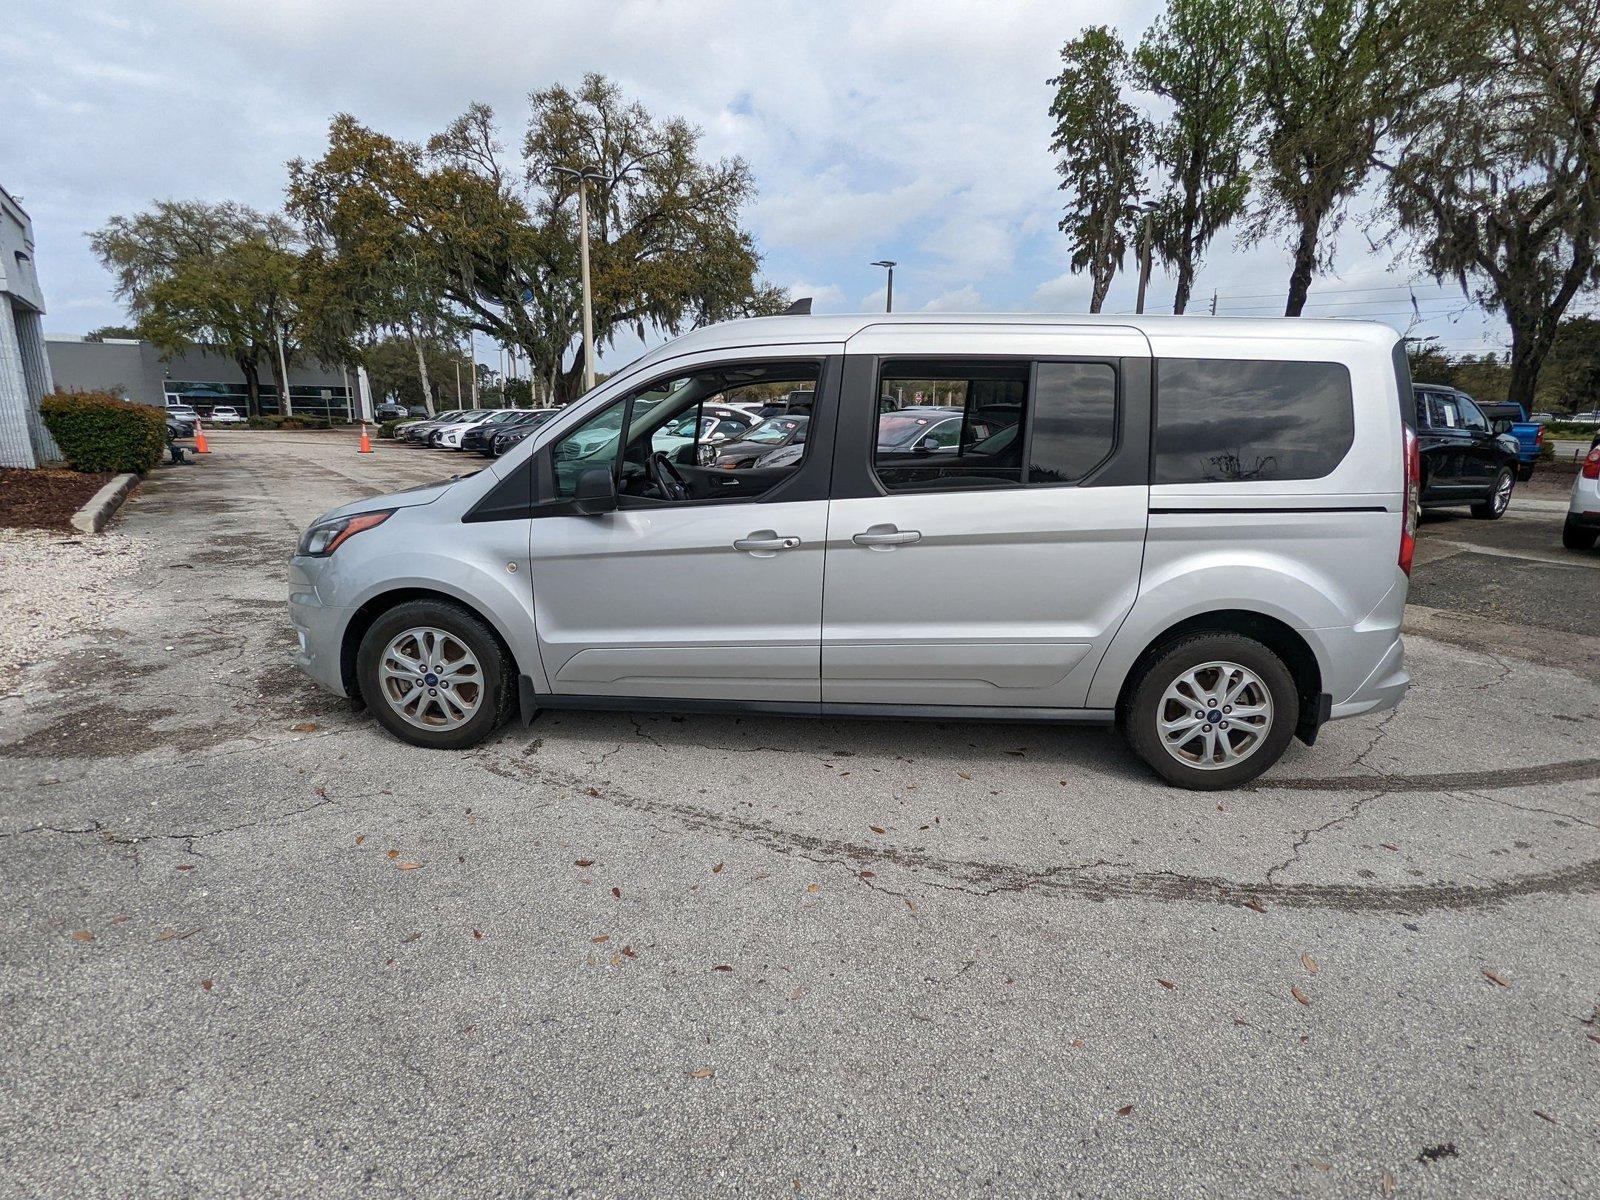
[1198,530]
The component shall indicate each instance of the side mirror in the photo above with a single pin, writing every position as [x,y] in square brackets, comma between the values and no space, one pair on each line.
[596,492]
[927,445]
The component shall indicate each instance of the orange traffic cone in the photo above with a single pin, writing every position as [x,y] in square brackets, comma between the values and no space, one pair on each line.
[200,446]
[366,443]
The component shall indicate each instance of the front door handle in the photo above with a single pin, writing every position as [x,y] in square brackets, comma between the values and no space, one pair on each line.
[887,536]
[764,543]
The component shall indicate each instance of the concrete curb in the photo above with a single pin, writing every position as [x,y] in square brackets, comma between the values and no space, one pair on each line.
[92,517]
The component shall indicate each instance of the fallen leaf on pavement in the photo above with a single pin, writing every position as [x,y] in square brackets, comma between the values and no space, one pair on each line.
[185,867]
[593,791]
[82,935]
[1388,845]
[617,892]
[120,920]
[303,727]
[963,775]
[813,888]
[1168,984]
[717,870]
[909,905]
[1387,1184]
[205,985]
[170,934]
[408,866]
[1077,1043]
[1310,964]
[866,874]
[604,937]
[360,837]
[1493,978]
[583,862]
[1300,996]
[1124,1110]
[629,952]
[394,854]
[877,828]
[1544,1116]
[1253,903]
[409,938]
[477,935]
[722,967]
[702,1073]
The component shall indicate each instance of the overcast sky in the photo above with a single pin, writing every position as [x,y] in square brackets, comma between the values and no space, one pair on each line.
[914,130]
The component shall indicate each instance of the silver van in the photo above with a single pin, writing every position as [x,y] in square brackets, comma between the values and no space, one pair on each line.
[1199,530]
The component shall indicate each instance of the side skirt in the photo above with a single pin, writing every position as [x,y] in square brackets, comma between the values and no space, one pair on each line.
[532,702]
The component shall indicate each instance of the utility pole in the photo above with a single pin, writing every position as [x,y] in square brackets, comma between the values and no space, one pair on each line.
[1144,259]
[1213,303]
[888,300]
[584,178]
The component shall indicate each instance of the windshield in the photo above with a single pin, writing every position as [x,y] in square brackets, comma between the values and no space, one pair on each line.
[899,430]
[774,431]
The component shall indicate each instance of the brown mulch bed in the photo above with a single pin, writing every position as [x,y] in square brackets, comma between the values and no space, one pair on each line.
[45,499]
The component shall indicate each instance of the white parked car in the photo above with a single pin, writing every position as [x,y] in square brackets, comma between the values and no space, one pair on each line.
[1582,529]
[225,415]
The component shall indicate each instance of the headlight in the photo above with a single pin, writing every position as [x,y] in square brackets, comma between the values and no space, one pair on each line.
[324,537]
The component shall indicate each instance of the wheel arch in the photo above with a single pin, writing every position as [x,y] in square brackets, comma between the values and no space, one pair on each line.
[1278,636]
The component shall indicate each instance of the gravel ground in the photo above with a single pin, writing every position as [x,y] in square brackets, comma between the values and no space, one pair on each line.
[58,585]
[251,945]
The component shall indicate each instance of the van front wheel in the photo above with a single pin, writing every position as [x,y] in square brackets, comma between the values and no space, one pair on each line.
[1212,711]
[434,675]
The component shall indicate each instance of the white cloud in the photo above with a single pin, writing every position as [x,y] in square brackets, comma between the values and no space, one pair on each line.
[961,300]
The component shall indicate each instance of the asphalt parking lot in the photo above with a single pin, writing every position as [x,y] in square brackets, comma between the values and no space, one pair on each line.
[254,945]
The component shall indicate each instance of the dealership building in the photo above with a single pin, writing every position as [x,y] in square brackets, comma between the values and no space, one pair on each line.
[201,377]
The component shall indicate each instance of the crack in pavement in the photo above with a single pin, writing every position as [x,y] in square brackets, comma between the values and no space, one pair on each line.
[118,838]
[1089,881]
[1307,834]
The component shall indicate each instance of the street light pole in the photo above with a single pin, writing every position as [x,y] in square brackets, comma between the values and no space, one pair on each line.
[890,264]
[583,177]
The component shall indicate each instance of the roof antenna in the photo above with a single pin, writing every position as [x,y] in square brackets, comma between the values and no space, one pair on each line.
[800,308]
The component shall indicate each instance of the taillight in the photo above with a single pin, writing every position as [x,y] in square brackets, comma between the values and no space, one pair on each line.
[1591,465]
[1413,500]
[1538,435]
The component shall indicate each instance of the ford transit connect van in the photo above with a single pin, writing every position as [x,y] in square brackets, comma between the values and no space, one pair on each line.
[1199,530]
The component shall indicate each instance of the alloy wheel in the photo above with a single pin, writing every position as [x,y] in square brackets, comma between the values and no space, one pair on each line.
[1214,715]
[431,678]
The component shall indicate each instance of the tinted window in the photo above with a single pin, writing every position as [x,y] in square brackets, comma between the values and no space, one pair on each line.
[968,423]
[1229,420]
[1074,420]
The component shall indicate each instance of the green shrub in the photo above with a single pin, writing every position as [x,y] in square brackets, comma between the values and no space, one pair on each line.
[98,432]
[386,430]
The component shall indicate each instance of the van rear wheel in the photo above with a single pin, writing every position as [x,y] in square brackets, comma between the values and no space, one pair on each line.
[1212,711]
[434,675]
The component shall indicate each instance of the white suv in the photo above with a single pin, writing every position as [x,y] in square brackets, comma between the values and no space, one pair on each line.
[1200,531]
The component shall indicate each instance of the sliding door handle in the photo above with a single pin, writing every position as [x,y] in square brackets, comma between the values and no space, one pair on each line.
[887,535]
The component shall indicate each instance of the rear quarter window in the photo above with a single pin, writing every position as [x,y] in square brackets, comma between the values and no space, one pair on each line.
[1244,420]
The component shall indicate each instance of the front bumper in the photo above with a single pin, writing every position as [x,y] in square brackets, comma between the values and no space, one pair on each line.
[319,631]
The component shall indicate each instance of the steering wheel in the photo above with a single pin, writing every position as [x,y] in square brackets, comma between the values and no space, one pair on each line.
[668,480]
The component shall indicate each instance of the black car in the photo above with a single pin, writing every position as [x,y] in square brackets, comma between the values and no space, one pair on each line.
[1463,460]
[481,437]
[391,412]
[766,437]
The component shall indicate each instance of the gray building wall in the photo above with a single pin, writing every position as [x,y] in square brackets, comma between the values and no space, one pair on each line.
[25,375]
[139,372]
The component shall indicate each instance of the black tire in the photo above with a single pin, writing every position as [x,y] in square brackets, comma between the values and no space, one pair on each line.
[1493,506]
[1578,537]
[495,690]
[1171,663]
